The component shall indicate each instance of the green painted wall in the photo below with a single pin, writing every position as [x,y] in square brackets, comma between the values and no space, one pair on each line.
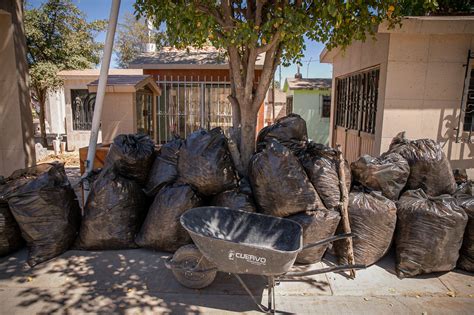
[307,104]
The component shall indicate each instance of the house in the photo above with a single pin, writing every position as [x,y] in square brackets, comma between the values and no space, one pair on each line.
[17,148]
[311,99]
[69,110]
[195,84]
[277,109]
[418,78]
[129,105]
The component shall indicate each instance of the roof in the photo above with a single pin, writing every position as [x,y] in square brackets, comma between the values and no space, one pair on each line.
[418,25]
[96,72]
[308,83]
[171,58]
[122,80]
[126,83]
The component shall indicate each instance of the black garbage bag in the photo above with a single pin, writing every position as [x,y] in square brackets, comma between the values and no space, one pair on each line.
[131,156]
[279,183]
[205,162]
[162,229]
[113,213]
[321,165]
[289,130]
[317,225]
[465,199]
[429,168]
[46,209]
[373,219]
[165,167]
[429,233]
[10,234]
[234,199]
[388,173]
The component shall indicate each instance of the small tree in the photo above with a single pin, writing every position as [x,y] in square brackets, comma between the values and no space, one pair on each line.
[247,29]
[133,34]
[58,38]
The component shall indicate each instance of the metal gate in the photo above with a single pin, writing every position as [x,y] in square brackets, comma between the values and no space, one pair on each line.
[189,103]
[355,112]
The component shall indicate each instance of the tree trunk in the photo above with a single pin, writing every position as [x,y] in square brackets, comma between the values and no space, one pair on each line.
[247,139]
[42,118]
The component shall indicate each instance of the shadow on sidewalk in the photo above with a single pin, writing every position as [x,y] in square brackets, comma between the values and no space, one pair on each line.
[117,282]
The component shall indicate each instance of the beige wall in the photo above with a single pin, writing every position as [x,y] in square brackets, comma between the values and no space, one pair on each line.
[16,129]
[76,138]
[357,57]
[118,115]
[424,89]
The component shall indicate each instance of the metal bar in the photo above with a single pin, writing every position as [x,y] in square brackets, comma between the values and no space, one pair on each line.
[324,270]
[178,109]
[185,105]
[104,73]
[329,240]
[242,283]
[464,97]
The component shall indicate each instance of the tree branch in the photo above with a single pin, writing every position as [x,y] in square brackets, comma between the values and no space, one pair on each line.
[272,59]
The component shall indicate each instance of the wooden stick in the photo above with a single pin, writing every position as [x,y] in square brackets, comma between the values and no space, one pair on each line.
[344,205]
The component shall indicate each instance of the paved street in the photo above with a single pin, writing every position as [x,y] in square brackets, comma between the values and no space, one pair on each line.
[136,282]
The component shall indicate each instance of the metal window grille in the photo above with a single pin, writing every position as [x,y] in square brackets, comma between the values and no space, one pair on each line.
[326,107]
[469,112]
[189,103]
[82,103]
[356,101]
[144,106]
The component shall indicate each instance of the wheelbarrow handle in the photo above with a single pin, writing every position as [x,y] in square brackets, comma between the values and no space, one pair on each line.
[324,270]
[329,240]
[172,265]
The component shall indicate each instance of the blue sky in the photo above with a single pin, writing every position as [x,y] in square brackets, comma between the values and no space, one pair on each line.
[100,9]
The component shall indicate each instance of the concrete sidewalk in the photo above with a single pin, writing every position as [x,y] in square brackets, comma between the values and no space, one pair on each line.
[136,282]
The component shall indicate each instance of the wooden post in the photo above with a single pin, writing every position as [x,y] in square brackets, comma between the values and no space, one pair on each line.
[344,204]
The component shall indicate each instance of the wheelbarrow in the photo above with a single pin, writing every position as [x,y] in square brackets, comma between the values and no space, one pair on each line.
[239,242]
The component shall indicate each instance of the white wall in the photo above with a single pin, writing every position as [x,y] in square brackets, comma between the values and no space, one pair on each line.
[56,112]
[425,79]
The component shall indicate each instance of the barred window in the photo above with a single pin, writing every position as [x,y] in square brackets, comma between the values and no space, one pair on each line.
[326,107]
[184,107]
[82,103]
[469,113]
[356,100]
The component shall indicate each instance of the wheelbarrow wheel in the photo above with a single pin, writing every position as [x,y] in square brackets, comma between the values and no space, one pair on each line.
[189,256]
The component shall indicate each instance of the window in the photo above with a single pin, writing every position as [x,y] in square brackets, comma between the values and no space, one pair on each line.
[183,108]
[356,101]
[82,103]
[326,107]
[469,113]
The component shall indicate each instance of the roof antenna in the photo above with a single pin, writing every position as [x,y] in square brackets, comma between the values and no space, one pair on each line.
[307,67]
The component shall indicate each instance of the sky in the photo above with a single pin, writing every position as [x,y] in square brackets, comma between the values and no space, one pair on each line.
[100,9]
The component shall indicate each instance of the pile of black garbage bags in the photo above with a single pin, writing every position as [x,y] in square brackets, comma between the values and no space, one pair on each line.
[407,197]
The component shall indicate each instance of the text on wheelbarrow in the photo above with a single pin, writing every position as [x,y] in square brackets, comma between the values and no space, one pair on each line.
[256,260]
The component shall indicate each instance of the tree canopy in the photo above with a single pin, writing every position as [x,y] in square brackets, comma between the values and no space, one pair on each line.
[58,37]
[278,29]
[132,35]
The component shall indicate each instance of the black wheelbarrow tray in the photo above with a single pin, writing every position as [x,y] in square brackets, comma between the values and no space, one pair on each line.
[240,242]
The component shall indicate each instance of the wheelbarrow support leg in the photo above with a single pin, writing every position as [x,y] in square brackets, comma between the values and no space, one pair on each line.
[271,295]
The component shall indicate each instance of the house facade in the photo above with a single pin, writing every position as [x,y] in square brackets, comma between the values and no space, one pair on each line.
[274,109]
[311,99]
[194,84]
[416,78]
[69,110]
